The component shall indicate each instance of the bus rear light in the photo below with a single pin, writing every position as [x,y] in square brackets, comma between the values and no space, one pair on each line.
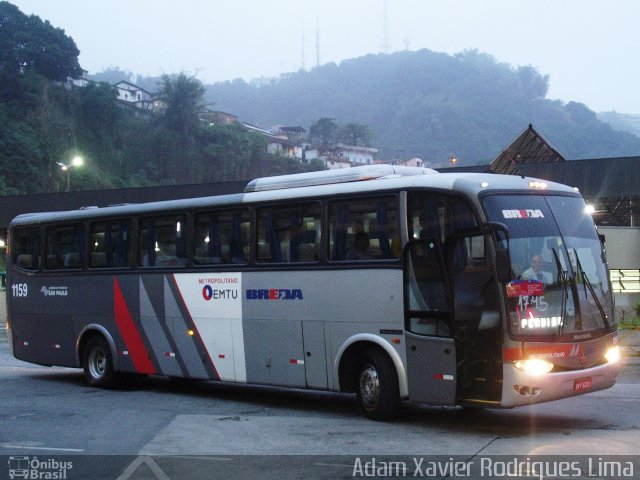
[613,354]
[534,366]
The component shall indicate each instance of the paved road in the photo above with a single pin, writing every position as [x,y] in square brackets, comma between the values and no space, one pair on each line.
[50,411]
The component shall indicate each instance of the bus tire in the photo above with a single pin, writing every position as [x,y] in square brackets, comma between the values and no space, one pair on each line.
[377,386]
[97,363]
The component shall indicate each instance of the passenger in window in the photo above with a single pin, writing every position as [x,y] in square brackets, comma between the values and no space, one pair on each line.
[535,272]
[361,249]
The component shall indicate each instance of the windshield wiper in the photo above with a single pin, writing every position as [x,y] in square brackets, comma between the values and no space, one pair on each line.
[563,277]
[587,285]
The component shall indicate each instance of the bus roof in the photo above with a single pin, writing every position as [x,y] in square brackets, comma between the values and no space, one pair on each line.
[328,177]
[375,178]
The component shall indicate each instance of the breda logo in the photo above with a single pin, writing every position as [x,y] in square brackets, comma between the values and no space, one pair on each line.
[274,294]
[522,213]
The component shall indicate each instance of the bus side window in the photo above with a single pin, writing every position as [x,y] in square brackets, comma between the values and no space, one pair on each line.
[289,234]
[25,248]
[162,242]
[352,223]
[110,244]
[221,238]
[64,247]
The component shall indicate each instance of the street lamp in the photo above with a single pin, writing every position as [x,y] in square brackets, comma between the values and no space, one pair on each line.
[76,161]
[453,160]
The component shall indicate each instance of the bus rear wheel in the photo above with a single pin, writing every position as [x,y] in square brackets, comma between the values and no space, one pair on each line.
[377,386]
[97,363]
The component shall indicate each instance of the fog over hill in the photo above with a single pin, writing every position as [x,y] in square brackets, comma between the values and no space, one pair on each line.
[428,104]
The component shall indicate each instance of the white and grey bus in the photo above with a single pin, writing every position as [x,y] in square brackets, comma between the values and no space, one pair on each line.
[394,283]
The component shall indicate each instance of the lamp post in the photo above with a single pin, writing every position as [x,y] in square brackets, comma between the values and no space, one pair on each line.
[76,161]
[453,160]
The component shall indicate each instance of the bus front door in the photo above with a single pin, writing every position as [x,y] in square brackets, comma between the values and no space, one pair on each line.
[431,349]
[476,321]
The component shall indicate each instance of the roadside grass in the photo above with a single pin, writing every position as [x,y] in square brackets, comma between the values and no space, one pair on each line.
[629,324]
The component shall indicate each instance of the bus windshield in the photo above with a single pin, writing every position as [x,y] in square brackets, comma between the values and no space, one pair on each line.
[560,286]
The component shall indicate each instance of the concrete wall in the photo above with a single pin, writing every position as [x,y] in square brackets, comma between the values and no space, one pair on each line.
[623,252]
[623,246]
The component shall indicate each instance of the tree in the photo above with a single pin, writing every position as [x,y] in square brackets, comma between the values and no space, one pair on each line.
[354,134]
[28,43]
[323,132]
[98,125]
[183,97]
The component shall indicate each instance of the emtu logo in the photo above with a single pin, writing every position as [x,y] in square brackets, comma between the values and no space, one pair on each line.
[210,293]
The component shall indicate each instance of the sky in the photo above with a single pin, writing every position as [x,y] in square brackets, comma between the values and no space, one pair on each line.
[587,48]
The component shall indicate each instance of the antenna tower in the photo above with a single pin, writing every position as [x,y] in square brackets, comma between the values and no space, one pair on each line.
[317,46]
[386,47]
[303,66]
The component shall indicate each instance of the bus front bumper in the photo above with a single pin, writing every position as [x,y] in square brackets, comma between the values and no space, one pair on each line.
[520,388]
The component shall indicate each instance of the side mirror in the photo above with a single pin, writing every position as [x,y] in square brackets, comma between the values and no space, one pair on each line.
[602,238]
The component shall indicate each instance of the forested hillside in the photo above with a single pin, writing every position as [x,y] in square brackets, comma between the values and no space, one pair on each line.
[45,122]
[429,104]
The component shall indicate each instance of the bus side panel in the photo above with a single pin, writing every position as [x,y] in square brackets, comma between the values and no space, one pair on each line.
[23,331]
[157,330]
[292,319]
[207,314]
[125,315]
[55,339]
[315,354]
[191,351]
[275,353]
[48,312]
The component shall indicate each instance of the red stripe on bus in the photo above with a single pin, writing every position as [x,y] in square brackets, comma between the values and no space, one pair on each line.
[129,332]
[512,354]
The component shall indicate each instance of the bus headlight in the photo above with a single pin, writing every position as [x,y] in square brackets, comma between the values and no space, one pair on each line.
[613,354]
[534,366]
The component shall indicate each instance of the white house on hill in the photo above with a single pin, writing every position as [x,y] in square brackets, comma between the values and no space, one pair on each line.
[355,155]
[134,95]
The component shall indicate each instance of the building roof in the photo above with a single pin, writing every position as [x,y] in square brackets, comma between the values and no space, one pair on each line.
[130,87]
[595,177]
[528,147]
[611,185]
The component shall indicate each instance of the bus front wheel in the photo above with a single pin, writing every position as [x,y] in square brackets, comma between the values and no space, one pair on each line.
[377,386]
[97,363]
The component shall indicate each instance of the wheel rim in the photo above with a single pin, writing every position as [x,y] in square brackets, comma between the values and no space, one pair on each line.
[369,386]
[97,362]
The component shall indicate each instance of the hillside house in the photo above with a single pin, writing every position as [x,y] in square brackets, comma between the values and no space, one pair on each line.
[133,95]
[213,117]
[354,154]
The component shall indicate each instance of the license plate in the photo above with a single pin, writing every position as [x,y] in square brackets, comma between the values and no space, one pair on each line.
[582,384]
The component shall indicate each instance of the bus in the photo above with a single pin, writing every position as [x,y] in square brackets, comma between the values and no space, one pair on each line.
[393,283]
